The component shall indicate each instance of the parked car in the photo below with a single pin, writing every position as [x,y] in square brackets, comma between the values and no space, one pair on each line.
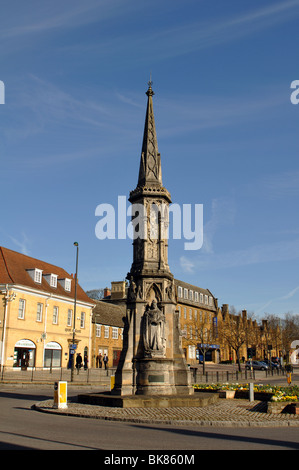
[271,364]
[256,365]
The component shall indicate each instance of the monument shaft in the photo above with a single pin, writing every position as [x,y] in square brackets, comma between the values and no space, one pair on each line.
[152,361]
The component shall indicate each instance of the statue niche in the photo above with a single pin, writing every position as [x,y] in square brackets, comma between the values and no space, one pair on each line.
[153,331]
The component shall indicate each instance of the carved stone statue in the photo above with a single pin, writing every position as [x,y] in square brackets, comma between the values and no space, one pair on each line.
[153,330]
[132,289]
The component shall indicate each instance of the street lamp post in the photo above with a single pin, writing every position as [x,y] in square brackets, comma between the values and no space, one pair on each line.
[76,244]
[7,298]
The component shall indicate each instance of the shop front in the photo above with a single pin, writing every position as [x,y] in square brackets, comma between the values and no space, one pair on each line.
[24,354]
[52,355]
[210,351]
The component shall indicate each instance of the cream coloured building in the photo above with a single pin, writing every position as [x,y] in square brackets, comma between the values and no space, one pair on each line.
[37,314]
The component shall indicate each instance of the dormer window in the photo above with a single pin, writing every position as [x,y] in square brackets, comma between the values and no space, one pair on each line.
[66,284]
[53,280]
[36,275]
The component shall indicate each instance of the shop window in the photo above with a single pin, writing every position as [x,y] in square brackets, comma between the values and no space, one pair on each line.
[52,355]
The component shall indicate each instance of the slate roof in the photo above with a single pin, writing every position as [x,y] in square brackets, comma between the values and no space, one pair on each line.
[14,268]
[106,313]
[200,290]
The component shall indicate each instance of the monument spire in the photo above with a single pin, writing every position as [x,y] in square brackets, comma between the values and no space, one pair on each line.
[150,162]
[152,361]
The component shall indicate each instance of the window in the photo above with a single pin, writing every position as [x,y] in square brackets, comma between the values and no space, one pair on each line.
[196,296]
[201,298]
[114,332]
[21,313]
[206,299]
[69,317]
[53,280]
[179,309]
[39,312]
[190,294]
[185,293]
[211,301]
[190,330]
[190,313]
[180,291]
[195,315]
[106,331]
[82,320]
[98,330]
[55,315]
[185,313]
[191,352]
[38,276]
[68,284]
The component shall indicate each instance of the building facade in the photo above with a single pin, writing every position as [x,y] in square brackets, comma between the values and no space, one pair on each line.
[37,314]
[107,333]
[198,314]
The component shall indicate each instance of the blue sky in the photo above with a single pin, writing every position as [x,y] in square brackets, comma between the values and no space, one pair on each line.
[75,76]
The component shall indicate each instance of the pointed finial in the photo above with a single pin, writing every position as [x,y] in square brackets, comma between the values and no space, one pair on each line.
[150,91]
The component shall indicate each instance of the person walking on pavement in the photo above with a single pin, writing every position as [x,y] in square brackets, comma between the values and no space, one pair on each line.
[78,362]
[105,360]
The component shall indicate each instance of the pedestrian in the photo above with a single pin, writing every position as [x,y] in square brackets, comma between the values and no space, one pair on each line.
[85,362]
[105,360]
[100,360]
[78,362]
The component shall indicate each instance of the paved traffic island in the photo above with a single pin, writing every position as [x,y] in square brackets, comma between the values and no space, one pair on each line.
[222,413]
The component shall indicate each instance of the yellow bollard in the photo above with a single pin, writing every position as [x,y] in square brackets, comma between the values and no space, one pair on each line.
[112,382]
[289,378]
[60,395]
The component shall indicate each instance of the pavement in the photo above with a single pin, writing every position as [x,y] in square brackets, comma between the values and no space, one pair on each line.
[224,413]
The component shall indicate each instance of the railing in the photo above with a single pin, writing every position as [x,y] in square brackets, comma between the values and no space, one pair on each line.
[233,376]
[102,377]
[41,375]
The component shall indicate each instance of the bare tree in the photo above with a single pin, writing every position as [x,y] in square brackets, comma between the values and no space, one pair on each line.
[96,294]
[200,333]
[234,334]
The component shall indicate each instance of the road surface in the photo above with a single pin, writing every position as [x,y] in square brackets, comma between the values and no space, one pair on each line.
[22,428]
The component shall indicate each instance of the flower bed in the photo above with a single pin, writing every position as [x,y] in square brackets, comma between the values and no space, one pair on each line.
[261,392]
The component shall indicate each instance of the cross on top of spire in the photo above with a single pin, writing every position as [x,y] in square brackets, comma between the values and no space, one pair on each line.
[150,91]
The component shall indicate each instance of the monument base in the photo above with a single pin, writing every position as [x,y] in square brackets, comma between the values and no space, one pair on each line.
[162,376]
[137,401]
[154,376]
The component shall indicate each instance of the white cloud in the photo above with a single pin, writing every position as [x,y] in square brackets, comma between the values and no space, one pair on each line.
[223,214]
[21,244]
[263,253]
[186,264]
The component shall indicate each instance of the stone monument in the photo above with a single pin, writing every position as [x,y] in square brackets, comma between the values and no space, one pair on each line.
[152,361]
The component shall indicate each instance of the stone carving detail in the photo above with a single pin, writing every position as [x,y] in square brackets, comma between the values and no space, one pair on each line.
[153,330]
[169,290]
[132,289]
